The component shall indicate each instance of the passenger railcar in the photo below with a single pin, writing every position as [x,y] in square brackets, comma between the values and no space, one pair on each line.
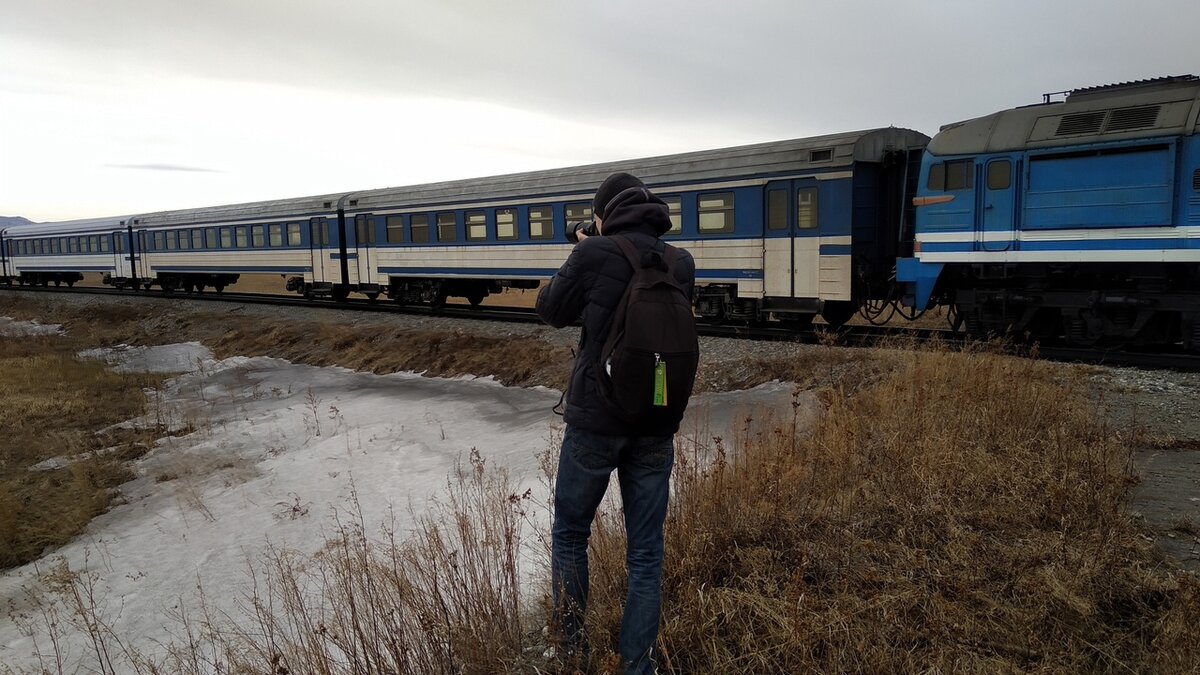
[1076,219]
[58,253]
[787,229]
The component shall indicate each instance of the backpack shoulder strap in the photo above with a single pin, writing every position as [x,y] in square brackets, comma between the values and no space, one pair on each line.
[630,251]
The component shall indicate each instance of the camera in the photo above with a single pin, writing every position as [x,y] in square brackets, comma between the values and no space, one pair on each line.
[587,227]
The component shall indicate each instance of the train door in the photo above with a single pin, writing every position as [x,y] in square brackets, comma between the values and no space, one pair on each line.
[364,246]
[318,238]
[995,226]
[141,260]
[777,241]
[117,246]
[791,243]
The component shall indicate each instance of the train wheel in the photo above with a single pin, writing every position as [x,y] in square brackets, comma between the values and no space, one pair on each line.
[475,299]
[70,284]
[836,313]
[373,296]
[438,302]
[340,293]
[219,288]
[57,283]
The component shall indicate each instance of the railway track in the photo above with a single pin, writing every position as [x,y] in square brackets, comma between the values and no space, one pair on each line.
[852,335]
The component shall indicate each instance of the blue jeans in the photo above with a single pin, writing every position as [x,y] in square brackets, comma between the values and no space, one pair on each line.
[643,467]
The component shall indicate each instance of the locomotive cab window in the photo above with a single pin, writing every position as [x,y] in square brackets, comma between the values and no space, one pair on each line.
[541,222]
[999,174]
[395,229]
[716,213]
[949,176]
[675,212]
[419,229]
[506,224]
[476,225]
[447,227]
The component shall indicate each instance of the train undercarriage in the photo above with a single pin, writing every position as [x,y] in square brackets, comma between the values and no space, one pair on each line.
[1084,305]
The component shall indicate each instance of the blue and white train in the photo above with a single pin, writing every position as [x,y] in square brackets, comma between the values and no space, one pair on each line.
[788,229]
[1076,219]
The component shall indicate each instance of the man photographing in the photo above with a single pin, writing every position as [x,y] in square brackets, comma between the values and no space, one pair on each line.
[627,393]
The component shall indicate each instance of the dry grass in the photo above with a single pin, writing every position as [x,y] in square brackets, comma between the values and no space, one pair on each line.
[960,512]
[966,512]
[54,405]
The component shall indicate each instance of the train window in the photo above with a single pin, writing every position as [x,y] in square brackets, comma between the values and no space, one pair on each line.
[395,229]
[197,239]
[506,224]
[160,241]
[258,237]
[105,244]
[364,227]
[675,210]
[806,209]
[185,239]
[937,177]
[118,243]
[541,222]
[73,244]
[172,241]
[419,229]
[275,234]
[825,155]
[999,174]
[56,245]
[476,225]
[777,209]
[716,212]
[447,227]
[210,237]
[226,237]
[959,174]
[293,233]
[241,237]
[578,212]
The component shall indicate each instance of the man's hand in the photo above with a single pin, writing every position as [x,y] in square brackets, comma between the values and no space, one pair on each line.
[580,234]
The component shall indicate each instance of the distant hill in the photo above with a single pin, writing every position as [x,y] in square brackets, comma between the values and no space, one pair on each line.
[7,221]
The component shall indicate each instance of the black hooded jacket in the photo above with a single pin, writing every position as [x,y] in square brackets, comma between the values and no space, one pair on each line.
[590,285]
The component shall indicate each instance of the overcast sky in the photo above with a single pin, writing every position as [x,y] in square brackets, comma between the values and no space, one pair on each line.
[122,106]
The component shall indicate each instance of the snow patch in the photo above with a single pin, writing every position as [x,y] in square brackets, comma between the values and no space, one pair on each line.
[187,357]
[279,449]
[10,327]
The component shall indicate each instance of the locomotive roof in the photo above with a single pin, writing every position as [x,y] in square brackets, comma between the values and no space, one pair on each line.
[1118,112]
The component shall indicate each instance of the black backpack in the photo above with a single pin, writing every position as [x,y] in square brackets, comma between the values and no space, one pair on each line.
[647,367]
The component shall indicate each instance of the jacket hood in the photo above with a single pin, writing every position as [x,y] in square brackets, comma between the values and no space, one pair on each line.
[637,209]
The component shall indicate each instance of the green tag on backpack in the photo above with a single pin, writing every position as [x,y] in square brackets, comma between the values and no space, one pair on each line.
[660,382]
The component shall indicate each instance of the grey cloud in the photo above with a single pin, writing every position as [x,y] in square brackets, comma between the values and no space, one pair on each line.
[763,69]
[163,167]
